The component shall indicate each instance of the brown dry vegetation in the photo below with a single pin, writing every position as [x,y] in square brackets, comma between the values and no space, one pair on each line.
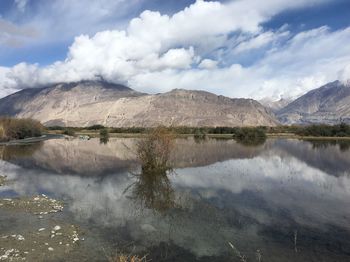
[127,258]
[154,151]
[152,187]
[19,128]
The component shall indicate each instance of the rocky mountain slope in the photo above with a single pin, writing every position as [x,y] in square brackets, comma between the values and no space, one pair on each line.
[96,102]
[329,104]
[275,106]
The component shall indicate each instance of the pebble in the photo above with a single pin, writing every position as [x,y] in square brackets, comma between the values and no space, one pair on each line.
[50,249]
[41,229]
[19,237]
[56,228]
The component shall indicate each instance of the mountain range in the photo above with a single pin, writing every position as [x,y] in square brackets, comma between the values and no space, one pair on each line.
[329,104]
[87,103]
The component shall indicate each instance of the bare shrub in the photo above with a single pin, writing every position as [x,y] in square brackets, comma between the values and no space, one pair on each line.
[19,128]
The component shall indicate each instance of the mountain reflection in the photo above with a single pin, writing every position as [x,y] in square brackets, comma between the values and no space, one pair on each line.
[254,202]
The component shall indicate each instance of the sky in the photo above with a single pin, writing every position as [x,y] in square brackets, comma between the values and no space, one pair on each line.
[238,48]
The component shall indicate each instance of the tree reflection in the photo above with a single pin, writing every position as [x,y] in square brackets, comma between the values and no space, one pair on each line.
[152,188]
[13,152]
[250,136]
[256,141]
[104,136]
[344,145]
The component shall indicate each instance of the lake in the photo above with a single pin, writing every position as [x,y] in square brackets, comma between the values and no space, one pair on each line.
[283,200]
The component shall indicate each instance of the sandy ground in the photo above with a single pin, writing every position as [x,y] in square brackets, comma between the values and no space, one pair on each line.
[29,230]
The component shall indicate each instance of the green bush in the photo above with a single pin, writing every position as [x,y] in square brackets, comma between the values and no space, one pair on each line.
[95,127]
[56,128]
[340,130]
[69,132]
[104,136]
[250,135]
[133,130]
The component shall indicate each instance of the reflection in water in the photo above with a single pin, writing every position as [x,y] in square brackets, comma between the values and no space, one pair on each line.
[255,141]
[104,136]
[153,190]
[104,140]
[12,152]
[326,156]
[152,187]
[253,197]
[344,145]
[251,136]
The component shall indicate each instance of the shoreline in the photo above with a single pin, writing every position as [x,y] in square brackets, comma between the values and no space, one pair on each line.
[56,135]
[31,140]
[226,136]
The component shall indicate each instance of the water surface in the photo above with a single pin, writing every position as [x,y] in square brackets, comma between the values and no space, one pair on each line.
[284,200]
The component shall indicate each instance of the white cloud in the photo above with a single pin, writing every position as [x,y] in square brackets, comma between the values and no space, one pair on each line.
[307,61]
[159,52]
[344,75]
[172,59]
[259,41]
[208,64]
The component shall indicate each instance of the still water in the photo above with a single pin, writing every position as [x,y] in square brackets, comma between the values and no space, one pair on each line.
[284,200]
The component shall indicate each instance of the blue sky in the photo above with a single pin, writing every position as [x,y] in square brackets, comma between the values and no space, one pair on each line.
[238,48]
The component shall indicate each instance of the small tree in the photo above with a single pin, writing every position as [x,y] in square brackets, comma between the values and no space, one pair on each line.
[104,135]
[69,132]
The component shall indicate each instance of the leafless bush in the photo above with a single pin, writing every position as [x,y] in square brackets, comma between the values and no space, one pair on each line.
[19,128]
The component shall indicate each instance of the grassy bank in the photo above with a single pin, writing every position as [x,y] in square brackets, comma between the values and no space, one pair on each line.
[341,131]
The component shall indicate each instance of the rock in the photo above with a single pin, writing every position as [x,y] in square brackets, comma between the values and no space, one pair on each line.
[39,205]
[19,237]
[148,228]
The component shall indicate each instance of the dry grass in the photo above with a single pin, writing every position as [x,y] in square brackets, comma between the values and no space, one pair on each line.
[154,151]
[19,128]
[127,258]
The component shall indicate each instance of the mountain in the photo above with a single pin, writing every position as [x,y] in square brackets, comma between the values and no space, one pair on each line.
[274,106]
[329,104]
[87,103]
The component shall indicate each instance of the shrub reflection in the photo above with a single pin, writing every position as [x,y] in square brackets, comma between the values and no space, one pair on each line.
[152,188]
